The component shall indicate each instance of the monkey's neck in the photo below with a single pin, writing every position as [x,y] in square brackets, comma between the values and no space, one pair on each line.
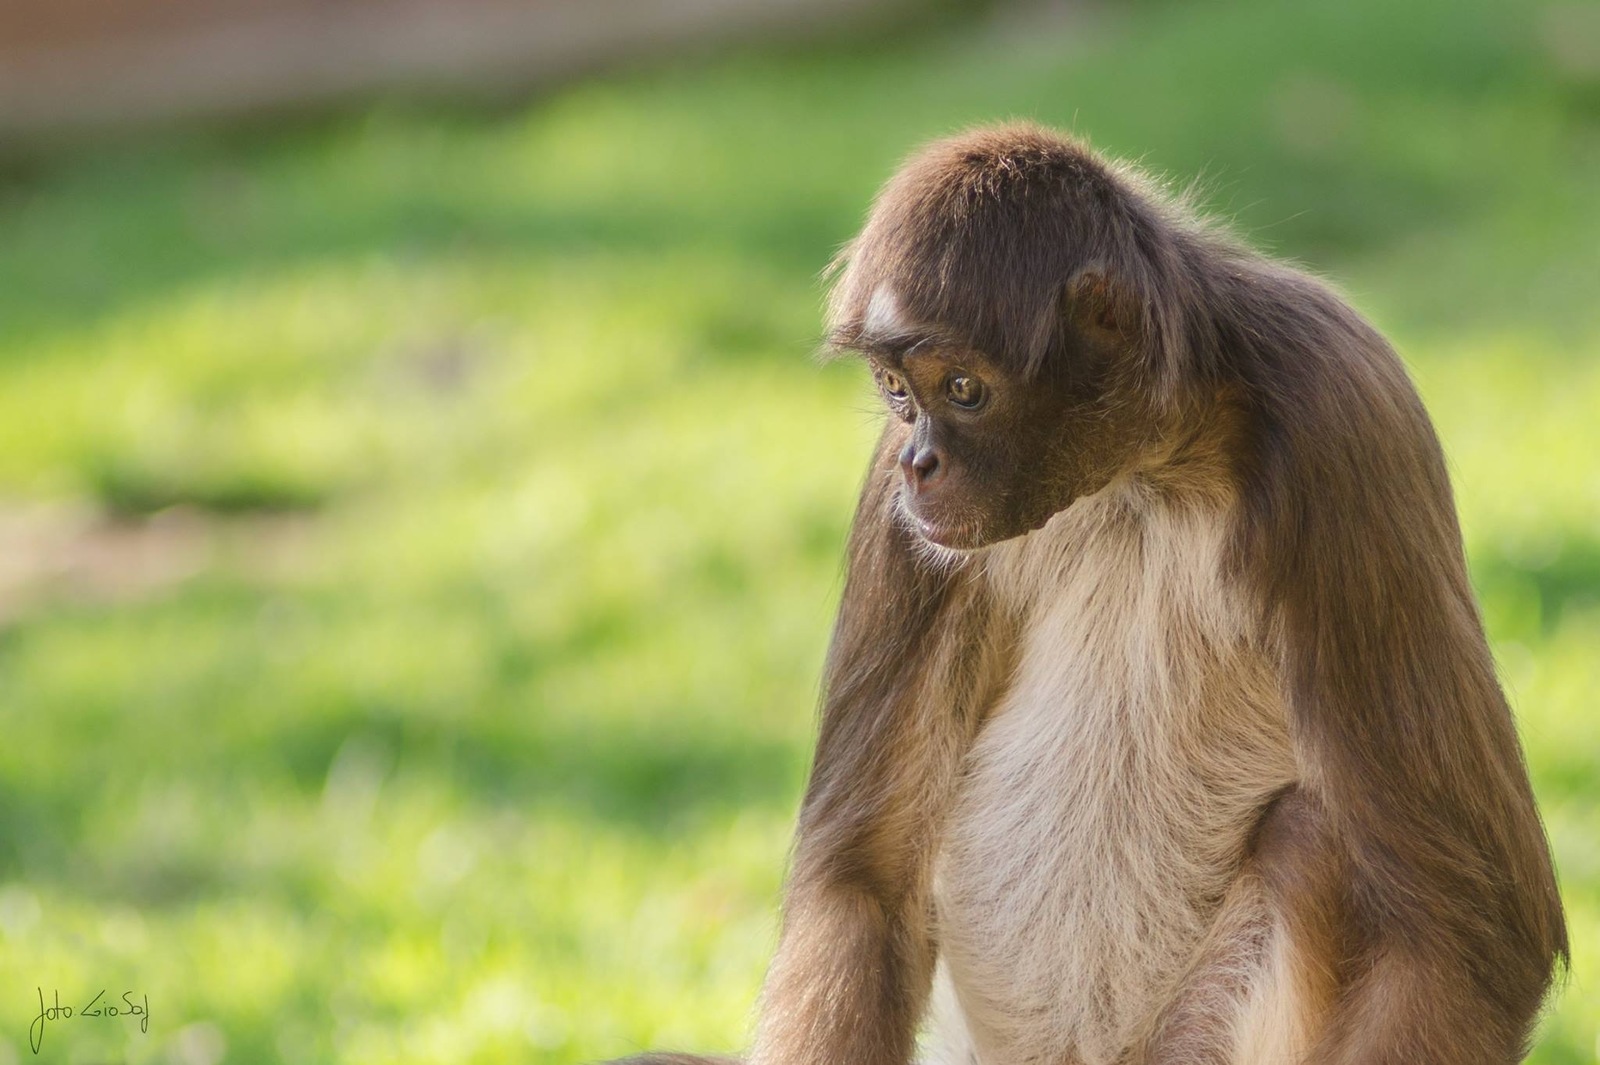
[1193,455]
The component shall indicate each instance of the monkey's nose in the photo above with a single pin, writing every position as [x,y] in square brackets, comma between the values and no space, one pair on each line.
[921,466]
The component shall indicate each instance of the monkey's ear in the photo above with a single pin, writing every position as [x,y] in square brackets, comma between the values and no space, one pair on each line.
[1099,303]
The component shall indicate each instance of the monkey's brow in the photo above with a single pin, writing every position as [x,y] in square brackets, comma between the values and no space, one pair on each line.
[891,346]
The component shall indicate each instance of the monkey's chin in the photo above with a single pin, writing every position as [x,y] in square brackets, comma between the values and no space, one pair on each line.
[966,536]
[950,537]
[960,534]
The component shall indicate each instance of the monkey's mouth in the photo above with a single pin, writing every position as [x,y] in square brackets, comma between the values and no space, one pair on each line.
[953,532]
[939,534]
[965,528]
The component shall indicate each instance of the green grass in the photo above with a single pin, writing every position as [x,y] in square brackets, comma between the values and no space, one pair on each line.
[445,516]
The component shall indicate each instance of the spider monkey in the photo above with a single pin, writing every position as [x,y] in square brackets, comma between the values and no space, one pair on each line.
[1158,723]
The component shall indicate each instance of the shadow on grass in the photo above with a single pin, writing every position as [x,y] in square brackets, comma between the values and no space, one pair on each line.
[642,782]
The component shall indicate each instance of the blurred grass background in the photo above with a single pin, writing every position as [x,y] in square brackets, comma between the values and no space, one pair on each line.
[419,528]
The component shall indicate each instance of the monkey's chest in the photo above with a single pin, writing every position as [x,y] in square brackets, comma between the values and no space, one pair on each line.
[1104,810]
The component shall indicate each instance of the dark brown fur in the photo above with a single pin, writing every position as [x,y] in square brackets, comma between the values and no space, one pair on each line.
[1408,863]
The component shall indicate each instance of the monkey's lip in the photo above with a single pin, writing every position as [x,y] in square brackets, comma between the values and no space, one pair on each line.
[966,534]
[951,535]
[956,538]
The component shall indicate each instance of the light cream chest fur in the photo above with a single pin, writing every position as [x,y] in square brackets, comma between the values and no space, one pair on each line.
[1107,802]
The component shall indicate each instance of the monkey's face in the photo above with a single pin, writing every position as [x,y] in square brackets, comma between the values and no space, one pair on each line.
[985,457]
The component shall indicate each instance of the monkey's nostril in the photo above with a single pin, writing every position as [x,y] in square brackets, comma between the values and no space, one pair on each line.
[920,466]
[908,456]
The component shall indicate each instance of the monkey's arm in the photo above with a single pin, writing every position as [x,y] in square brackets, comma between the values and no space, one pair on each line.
[904,684]
[1263,980]
[1455,919]
[1402,733]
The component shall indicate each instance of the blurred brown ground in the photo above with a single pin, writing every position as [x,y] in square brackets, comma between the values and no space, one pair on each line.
[95,64]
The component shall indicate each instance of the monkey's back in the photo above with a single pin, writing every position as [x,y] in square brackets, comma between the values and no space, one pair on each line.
[1107,803]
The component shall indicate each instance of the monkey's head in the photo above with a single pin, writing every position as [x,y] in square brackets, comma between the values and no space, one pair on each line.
[1003,293]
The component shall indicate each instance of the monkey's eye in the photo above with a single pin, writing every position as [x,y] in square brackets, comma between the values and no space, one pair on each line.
[965,391]
[894,386]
